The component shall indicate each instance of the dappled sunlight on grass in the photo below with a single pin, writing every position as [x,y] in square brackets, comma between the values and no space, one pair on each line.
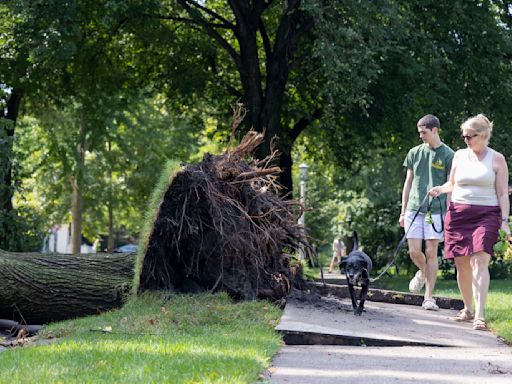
[157,338]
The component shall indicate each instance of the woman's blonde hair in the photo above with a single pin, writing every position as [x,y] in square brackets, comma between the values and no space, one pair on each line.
[480,125]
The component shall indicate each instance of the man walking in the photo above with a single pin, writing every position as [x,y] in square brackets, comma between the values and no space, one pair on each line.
[428,165]
[338,252]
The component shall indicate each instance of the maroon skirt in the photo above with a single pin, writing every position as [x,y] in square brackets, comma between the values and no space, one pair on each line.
[470,229]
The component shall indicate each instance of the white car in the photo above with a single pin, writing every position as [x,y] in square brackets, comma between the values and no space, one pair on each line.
[127,248]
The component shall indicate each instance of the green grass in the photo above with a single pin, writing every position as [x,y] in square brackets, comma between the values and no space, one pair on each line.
[497,310]
[155,338]
[166,177]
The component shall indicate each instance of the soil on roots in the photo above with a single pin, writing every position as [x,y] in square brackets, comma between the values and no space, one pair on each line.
[222,225]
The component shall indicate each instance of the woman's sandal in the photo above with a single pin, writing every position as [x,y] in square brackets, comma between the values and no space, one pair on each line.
[480,325]
[463,315]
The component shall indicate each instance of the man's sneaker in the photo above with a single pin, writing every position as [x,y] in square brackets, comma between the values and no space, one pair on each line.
[430,305]
[417,282]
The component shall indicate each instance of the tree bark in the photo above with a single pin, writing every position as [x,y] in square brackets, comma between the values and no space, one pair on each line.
[39,288]
[110,203]
[13,105]
[76,216]
[77,183]
[6,187]
[110,242]
[264,99]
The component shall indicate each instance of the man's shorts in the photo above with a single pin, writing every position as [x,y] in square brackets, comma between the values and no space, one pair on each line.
[420,229]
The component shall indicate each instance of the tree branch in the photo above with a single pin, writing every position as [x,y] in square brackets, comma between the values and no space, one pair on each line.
[183,20]
[211,13]
[265,38]
[195,15]
[303,123]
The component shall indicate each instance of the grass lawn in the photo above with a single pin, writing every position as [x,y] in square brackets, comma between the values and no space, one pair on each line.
[155,338]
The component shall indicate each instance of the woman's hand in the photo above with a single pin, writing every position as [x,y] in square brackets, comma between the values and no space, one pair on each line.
[506,228]
[434,192]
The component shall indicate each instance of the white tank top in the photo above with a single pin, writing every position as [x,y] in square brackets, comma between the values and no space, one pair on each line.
[475,180]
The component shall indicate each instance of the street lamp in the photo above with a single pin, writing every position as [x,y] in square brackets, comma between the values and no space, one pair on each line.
[303,175]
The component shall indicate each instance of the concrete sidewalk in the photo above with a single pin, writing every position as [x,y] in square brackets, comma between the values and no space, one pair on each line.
[389,343]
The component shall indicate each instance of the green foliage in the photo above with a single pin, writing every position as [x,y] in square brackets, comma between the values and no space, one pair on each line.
[26,230]
[427,57]
[358,76]
[447,268]
[500,266]
[119,173]
[20,228]
[368,203]
[155,338]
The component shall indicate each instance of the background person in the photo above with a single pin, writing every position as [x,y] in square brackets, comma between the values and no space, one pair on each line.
[479,208]
[427,164]
[338,251]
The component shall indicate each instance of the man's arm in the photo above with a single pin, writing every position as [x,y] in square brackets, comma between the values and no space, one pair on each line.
[405,194]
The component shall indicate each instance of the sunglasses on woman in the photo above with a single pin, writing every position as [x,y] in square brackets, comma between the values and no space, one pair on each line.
[467,137]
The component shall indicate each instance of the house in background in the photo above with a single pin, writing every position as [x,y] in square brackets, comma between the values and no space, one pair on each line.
[58,240]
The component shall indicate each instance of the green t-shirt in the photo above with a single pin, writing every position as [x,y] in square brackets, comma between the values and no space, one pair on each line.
[431,167]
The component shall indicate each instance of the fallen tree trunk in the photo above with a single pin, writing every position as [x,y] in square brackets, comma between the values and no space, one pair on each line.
[38,288]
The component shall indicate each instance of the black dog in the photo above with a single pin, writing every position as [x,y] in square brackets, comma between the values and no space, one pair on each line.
[357,266]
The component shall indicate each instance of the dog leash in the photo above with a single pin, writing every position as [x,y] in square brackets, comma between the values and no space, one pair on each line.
[428,217]
[404,237]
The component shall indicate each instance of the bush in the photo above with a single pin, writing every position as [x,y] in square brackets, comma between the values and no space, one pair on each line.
[447,269]
[500,266]
[20,230]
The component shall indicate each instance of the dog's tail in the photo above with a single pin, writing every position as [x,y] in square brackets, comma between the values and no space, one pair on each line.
[356,242]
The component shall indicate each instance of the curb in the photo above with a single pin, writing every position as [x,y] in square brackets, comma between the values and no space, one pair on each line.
[386,296]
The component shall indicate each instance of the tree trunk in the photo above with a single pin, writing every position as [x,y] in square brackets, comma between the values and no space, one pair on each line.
[7,125]
[110,203]
[110,242]
[263,90]
[285,177]
[39,288]
[264,100]
[76,216]
[13,105]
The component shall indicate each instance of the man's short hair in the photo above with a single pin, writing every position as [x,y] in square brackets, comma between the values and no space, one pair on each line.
[429,122]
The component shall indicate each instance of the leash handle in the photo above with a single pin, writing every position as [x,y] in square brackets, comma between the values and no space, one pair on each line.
[429,215]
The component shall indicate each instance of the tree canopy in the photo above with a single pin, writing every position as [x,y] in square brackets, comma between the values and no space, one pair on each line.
[337,84]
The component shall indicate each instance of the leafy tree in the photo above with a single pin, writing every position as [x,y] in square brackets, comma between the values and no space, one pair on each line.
[450,59]
[60,55]
[288,61]
[119,174]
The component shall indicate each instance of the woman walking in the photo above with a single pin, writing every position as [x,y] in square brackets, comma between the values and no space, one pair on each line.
[479,207]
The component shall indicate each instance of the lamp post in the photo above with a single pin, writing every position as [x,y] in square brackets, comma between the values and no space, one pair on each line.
[303,174]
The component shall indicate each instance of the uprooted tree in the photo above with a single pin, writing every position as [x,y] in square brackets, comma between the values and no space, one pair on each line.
[221,225]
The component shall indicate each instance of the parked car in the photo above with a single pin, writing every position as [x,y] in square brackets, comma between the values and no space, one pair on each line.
[127,248]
